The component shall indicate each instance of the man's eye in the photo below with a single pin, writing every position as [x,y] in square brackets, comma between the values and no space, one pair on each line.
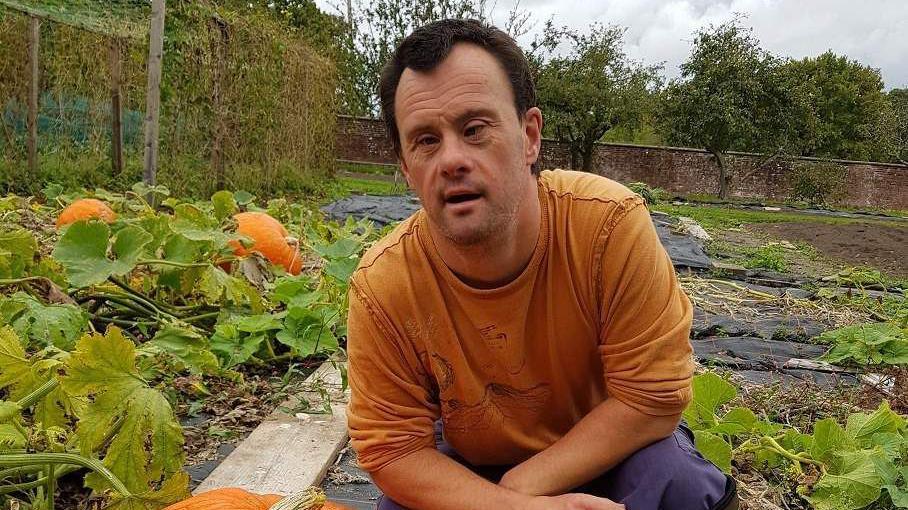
[474,130]
[426,140]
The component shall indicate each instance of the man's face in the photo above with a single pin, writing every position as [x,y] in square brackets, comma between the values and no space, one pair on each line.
[464,150]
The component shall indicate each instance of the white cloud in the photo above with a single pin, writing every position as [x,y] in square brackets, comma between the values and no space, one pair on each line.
[874,32]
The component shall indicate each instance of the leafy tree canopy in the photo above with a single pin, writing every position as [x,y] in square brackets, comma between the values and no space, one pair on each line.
[591,89]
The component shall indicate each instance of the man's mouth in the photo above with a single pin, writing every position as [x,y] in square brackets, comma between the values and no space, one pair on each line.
[459,198]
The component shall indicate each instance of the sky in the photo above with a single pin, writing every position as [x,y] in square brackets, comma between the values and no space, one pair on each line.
[873,32]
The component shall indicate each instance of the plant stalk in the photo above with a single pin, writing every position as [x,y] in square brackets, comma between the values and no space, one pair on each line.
[30,459]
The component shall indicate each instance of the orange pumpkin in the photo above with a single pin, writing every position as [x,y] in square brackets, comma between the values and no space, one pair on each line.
[83,209]
[239,499]
[230,498]
[270,238]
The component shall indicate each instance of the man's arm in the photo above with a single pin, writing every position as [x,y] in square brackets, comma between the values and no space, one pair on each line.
[428,479]
[646,354]
[598,442]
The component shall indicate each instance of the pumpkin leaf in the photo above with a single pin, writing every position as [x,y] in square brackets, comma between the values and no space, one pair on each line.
[341,249]
[710,392]
[308,331]
[714,448]
[10,437]
[82,250]
[149,442]
[855,485]
[14,363]
[17,252]
[173,490]
[57,325]
[828,438]
[861,426]
[195,224]
[224,205]
[233,346]
[341,269]
[187,346]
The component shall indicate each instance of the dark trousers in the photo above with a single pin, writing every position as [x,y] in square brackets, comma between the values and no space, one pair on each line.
[667,475]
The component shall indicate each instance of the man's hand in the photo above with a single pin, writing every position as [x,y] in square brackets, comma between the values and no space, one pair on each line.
[573,502]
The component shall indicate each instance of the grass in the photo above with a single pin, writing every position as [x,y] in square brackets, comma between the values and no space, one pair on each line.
[366,168]
[713,217]
[770,256]
[345,186]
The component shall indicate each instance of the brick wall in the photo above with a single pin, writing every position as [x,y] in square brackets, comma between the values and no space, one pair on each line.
[678,170]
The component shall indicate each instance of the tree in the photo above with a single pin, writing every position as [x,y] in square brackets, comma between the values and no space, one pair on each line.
[590,90]
[732,95]
[849,115]
[898,100]
[382,24]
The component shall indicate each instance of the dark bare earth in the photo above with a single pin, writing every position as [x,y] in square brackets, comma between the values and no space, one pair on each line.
[878,245]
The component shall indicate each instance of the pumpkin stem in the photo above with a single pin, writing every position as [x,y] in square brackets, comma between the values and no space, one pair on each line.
[312,498]
[31,459]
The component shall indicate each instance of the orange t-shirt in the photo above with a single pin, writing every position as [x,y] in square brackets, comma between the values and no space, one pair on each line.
[596,314]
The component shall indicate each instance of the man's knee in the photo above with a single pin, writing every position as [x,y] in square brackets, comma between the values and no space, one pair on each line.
[671,475]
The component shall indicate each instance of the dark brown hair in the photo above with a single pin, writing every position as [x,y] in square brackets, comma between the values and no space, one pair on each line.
[429,45]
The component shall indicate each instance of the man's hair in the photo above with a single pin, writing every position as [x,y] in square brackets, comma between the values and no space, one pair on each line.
[429,45]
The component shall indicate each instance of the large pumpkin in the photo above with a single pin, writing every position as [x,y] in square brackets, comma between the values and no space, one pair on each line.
[232,498]
[84,209]
[270,238]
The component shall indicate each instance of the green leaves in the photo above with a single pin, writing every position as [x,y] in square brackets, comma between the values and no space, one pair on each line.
[309,331]
[716,449]
[237,340]
[146,441]
[187,346]
[857,462]
[17,252]
[57,325]
[855,485]
[710,392]
[880,343]
[83,252]
[224,205]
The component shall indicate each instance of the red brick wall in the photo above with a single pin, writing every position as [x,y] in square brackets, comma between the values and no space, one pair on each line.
[678,170]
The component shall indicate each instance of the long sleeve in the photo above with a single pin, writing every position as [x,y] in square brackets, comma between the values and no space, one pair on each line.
[391,410]
[645,318]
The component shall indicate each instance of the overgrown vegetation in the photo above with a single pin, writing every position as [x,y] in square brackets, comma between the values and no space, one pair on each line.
[101,320]
[832,466]
[246,104]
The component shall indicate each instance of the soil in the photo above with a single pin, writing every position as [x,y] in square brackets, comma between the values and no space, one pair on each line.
[878,245]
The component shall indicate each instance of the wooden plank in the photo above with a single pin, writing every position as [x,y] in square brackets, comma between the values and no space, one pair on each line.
[34,53]
[153,92]
[116,108]
[287,453]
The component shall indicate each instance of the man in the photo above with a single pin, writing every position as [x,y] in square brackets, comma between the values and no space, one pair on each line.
[535,318]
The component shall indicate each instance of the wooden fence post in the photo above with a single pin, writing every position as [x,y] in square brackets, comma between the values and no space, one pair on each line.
[34,53]
[153,93]
[220,41]
[116,115]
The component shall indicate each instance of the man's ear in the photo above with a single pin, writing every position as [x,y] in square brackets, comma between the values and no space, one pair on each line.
[532,133]
[404,169]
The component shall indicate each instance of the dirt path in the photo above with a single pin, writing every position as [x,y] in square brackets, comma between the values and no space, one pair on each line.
[871,244]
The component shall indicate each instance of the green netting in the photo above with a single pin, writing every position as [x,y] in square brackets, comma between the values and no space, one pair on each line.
[121,18]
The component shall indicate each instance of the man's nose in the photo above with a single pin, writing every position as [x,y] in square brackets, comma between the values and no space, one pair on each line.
[454,160]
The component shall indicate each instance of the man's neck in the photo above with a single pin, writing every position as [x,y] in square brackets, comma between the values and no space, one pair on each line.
[502,259]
